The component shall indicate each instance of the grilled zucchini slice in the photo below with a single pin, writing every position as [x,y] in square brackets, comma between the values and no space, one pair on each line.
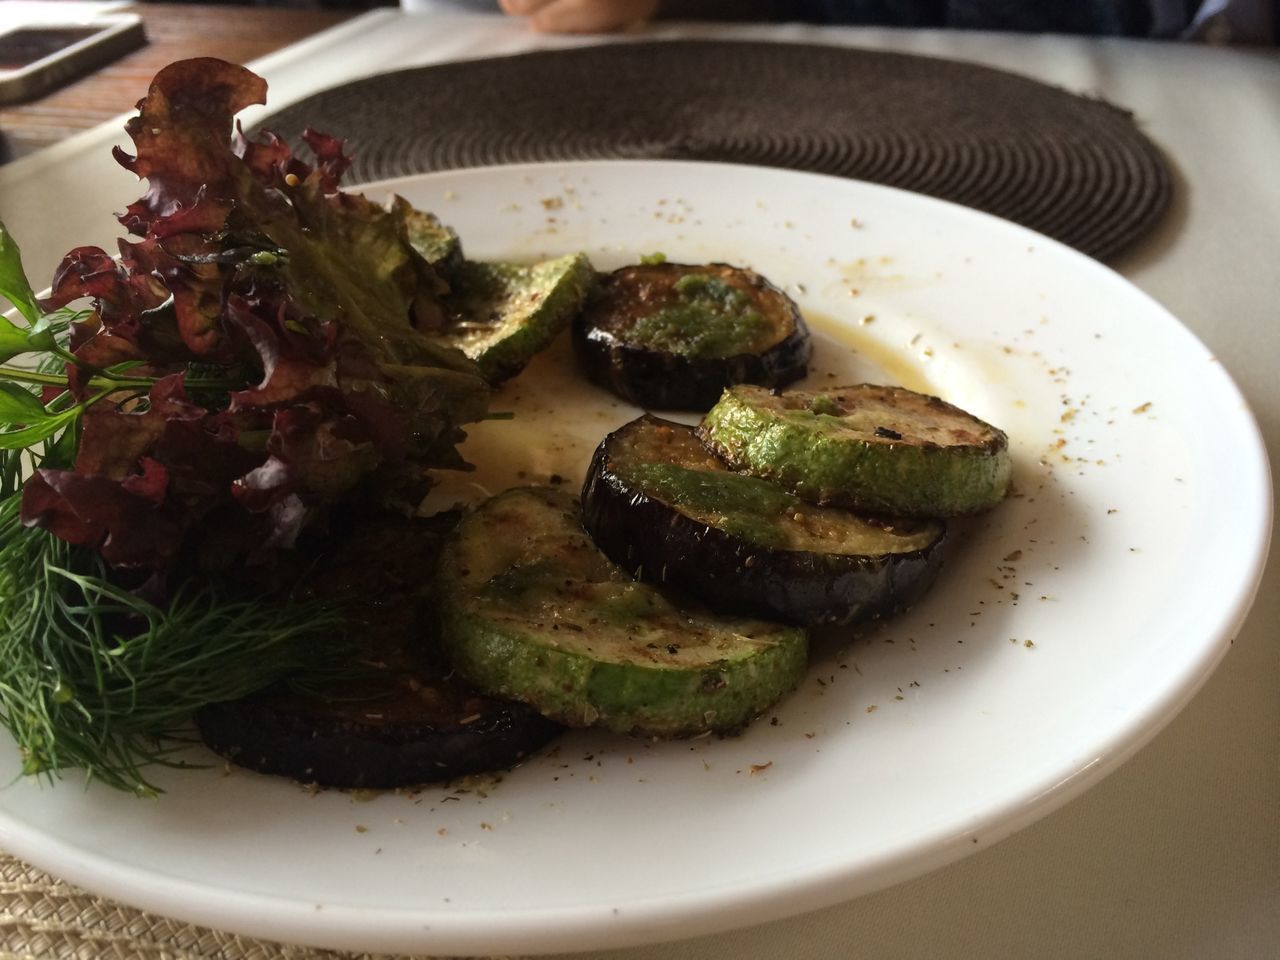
[501,314]
[885,450]
[658,503]
[532,611]
[673,336]
[437,243]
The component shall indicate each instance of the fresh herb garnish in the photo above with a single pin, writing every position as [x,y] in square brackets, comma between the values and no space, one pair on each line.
[264,352]
[260,356]
[94,677]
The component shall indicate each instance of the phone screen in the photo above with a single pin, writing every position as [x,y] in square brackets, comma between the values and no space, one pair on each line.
[24,46]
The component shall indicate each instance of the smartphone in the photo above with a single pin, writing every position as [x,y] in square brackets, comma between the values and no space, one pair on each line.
[38,57]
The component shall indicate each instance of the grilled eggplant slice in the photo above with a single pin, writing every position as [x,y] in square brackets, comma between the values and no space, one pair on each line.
[672,336]
[533,611]
[658,503]
[408,727]
[501,314]
[885,450]
[392,719]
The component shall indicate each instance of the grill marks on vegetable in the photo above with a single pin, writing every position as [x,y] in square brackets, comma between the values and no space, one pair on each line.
[881,449]
[646,662]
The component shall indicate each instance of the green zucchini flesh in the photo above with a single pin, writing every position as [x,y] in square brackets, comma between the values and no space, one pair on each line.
[437,243]
[666,509]
[501,314]
[880,449]
[533,611]
[673,336]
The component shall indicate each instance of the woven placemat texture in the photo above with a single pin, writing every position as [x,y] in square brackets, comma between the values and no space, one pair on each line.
[1074,168]
[45,919]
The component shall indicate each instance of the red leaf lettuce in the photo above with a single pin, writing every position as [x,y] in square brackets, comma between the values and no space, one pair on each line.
[285,326]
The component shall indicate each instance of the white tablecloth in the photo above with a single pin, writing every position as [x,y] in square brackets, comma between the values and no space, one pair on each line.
[1178,853]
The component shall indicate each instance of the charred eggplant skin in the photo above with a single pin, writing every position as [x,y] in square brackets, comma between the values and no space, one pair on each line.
[397,719]
[651,377]
[651,538]
[271,735]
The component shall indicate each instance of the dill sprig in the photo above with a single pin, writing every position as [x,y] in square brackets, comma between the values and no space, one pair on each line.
[95,678]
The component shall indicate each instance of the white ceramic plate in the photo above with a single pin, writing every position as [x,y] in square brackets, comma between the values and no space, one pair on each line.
[1071,624]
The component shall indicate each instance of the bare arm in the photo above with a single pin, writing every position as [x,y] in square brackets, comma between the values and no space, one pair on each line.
[581,16]
[601,16]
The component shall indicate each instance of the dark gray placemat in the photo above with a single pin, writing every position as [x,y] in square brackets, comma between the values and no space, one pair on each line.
[1071,167]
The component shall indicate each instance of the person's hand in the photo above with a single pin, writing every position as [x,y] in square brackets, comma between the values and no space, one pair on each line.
[581,16]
